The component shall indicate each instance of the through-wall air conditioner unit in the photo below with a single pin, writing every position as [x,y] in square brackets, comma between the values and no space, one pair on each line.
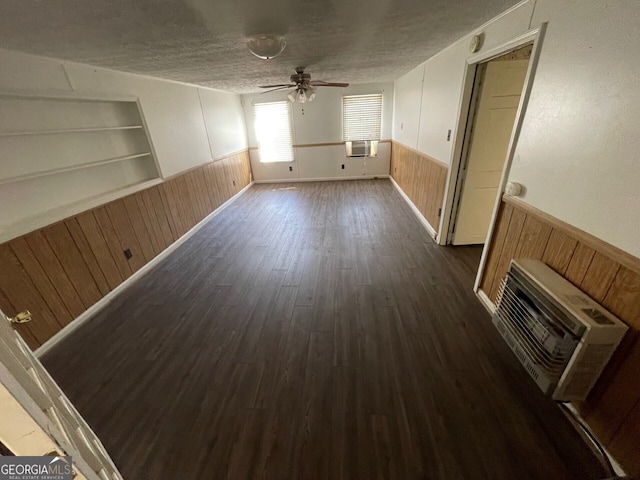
[561,336]
[362,148]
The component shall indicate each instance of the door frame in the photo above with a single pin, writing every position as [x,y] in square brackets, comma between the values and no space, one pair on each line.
[43,421]
[458,188]
[535,37]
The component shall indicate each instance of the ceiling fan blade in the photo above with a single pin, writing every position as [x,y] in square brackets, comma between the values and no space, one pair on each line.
[277,88]
[320,83]
[279,85]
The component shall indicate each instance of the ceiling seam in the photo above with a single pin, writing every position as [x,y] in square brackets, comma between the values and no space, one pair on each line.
[424,72]
[66,75]
[533,11]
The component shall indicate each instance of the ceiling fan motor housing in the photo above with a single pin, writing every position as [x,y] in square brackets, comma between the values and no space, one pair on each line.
[300,77]
[303,85]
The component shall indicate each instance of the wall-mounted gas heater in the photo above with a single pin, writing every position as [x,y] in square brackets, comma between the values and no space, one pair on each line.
[561,336]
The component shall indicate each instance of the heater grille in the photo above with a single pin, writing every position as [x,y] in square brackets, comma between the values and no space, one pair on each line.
[541,347]
[543,319]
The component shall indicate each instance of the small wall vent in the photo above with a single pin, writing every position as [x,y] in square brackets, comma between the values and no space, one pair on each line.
[561,336]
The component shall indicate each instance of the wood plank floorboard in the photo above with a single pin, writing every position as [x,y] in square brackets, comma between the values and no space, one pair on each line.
[313,331]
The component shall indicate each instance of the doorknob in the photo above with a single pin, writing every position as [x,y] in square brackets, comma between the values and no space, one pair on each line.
[22,317]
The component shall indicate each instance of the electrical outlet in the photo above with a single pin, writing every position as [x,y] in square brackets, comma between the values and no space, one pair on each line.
[128,254]
[234,183]
[291,169]
[343,166]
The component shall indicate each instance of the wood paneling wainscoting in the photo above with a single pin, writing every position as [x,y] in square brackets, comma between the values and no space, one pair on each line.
[607,274]
[61,270]
[421,178]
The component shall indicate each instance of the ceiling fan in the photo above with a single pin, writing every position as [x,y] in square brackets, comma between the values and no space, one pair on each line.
[305,88]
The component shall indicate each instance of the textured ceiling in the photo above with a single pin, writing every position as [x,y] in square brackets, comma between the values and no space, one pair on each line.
[203,41]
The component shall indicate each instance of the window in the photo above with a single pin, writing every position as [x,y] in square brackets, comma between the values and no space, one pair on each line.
[361,117]
[273,131]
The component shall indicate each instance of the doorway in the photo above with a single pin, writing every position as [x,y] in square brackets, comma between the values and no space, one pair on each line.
[495,99]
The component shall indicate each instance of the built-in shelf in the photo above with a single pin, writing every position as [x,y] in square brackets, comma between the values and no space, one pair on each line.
[71,168]
[71,130]
[64,154]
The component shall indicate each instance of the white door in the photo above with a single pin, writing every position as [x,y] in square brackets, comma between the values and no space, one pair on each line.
[37,419]
[492,127]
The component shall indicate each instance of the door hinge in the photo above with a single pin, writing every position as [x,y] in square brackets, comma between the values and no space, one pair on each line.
[439,212]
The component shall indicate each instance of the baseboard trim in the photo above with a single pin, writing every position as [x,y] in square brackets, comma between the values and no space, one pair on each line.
[486,302]
[321,179]
[576,418]
[432,231]
[109,297]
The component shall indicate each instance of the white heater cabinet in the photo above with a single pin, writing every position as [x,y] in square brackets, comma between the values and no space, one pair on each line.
[561,336]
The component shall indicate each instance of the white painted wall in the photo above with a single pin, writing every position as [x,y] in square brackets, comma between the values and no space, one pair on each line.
[187,125]
[224,119]
[407,102]
[578,152]
[320,122]
[427,105]
[578,148]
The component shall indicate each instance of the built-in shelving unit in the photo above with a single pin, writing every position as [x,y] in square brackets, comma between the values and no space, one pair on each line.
[71,130]
[59,154]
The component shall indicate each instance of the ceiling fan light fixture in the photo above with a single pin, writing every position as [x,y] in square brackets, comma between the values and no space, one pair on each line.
[266,46]
[302,95]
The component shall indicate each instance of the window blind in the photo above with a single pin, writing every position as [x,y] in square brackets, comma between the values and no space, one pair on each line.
[361,117]
[273,131]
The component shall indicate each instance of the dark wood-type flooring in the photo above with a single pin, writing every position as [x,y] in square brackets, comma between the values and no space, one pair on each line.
[313,331]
